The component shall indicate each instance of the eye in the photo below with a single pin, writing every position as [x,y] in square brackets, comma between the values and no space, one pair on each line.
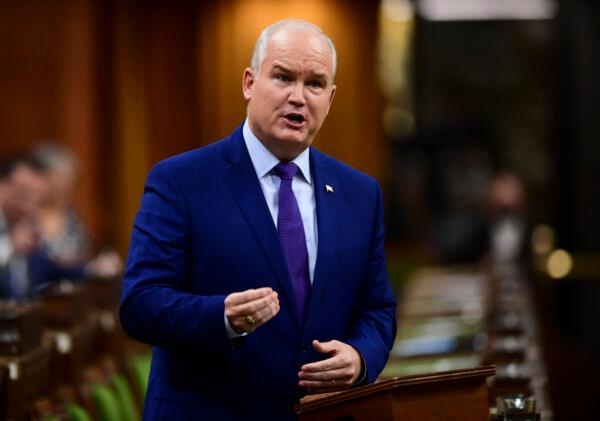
[315,84]
[281,77]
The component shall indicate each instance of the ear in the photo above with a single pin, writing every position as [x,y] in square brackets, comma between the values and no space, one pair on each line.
[248,83]
[333,89]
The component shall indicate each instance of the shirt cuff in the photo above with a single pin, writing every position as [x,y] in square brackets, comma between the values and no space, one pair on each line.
[232,334]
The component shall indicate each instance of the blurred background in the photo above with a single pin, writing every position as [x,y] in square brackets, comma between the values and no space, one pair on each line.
[478,117]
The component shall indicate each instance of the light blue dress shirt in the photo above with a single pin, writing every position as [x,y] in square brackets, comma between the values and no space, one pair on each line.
[263,162]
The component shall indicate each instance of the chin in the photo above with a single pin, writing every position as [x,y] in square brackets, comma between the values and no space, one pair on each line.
[292,137]
[288,147]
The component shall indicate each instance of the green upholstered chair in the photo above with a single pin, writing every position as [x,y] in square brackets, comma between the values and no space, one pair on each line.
[77,413]
[106,402]
[126,402]
[140,366]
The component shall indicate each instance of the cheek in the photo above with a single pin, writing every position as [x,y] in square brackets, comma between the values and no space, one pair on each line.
[319,110]
[269,103]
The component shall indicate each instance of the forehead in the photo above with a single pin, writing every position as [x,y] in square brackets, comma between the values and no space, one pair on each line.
[24,174]
[300,48]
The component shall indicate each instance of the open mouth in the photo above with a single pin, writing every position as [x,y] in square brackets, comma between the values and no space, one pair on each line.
[295,119]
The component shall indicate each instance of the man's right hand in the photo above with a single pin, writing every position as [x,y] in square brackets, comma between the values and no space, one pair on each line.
[247,310]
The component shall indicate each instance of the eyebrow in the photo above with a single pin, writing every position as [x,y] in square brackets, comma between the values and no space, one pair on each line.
[316,75]
[320,75]
[279,67]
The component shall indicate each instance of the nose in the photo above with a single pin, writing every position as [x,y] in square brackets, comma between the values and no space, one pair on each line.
[297,95]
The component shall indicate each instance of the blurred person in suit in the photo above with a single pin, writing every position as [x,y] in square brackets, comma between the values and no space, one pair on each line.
[256,267]
[22,189]
[509,225]
[5,241]
[27,266]
[7,244]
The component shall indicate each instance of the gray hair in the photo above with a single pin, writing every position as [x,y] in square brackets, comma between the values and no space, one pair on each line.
[260,49]
[51,154]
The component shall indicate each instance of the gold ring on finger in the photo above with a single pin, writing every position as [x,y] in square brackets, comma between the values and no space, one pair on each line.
[250,320]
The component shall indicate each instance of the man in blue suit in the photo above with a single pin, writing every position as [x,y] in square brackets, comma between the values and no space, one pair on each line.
[256,267]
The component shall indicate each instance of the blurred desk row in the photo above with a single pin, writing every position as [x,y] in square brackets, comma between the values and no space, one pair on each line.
[59,351]
[458,318]
[55,352]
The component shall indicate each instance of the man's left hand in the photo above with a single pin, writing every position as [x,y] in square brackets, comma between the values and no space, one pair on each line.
[338,372]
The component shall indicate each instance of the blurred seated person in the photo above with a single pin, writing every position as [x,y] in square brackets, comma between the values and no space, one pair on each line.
[26,266]
[63,236]
[18,238]
[506,206]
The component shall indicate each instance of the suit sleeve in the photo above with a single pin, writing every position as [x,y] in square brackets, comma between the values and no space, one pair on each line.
[156,308]
[374,327]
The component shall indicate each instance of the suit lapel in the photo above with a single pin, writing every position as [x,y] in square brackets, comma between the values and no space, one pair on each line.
[327,205]
[245,188]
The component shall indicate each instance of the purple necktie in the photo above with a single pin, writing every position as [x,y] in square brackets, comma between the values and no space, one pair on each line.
[291,234]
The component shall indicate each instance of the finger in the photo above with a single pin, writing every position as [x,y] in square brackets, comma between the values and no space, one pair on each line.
[254,306]
[240,322]
[242,297]
[333,363]
[237,298]
[266,313]
[343,374]
[326,347]
[250,307]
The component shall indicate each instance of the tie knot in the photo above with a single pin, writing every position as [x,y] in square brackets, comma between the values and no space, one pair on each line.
[286,170]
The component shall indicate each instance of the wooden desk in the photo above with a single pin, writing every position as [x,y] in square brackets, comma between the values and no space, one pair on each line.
[459,394]
[20,328]
[29,376]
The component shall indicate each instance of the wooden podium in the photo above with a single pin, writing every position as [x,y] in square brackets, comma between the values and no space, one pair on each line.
[451,395]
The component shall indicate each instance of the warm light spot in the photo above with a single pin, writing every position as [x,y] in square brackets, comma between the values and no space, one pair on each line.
[397,10]
[542,239]
[444,10]
[559,264]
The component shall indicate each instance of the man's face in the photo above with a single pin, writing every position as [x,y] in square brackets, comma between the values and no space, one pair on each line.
[290,97]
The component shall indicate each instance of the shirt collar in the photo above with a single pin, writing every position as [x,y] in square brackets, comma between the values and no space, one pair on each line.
[263,159]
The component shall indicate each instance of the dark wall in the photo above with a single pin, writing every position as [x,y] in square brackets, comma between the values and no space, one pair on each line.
[577,126]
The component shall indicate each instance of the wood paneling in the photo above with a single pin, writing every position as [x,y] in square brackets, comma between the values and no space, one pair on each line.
[48,85]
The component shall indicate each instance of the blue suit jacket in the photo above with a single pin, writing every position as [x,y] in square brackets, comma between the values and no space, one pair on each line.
[204,231]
